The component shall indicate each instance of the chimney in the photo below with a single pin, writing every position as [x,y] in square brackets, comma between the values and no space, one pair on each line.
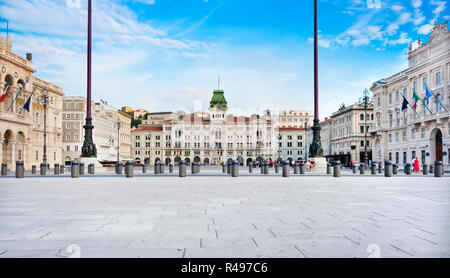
[29,57]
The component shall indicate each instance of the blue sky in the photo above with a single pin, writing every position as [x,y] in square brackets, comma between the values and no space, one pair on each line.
[165,55]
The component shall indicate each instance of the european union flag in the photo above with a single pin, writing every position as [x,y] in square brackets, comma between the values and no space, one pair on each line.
[404,104]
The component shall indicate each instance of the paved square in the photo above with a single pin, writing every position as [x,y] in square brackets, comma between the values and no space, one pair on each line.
[214,215]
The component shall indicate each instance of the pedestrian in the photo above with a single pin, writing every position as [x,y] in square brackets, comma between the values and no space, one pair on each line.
[416,166]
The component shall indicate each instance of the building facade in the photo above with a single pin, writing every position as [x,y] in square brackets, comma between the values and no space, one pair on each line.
[291,144]
[208,137]
[22,132]
[106,131]
[399,135]
[295,119]
[350,133]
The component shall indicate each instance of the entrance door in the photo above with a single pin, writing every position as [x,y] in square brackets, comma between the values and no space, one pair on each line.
[439,145]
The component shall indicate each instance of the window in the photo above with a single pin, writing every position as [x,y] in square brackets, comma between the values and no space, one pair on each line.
[396,137]
[390,156]
[404,157]
[68,125]
[37,155]
[138,137]
[438,103]
[424,83]
[438,79]
[423,133]
[75,105]
[67,105]
[378,101]
[67,136]
[138,144]
[75,137]
[404,136]
[397,96]
[361,129]
[415,86]
[423,156]
[76,148]
[413,133]
[68,148]
[68,116]
[391,121]
[390,138]
[361,117]
[390,98]
[397,158]
[362,144]
[76,116]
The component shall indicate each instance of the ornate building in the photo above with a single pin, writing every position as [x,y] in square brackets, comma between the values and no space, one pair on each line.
[105,134]
[208,137]
[348,133]
[22,132]
[398,135]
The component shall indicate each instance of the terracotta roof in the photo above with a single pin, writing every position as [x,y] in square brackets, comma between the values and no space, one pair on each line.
[326,121]
[148,128]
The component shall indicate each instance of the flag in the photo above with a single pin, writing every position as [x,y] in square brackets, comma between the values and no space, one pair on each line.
[4,95]
[404,104]
[428,94]
[416,99]
[27,104]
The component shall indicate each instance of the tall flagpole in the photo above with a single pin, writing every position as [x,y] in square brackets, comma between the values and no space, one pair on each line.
[88,149]
[315,149]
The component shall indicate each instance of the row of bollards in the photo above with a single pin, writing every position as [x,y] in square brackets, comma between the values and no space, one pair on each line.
[232,168]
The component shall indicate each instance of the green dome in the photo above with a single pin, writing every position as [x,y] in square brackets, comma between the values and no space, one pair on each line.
[218,99]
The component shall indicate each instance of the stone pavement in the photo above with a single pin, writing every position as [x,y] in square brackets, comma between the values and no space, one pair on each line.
[214,215]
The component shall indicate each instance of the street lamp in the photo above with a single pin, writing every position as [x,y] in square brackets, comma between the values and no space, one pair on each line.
[89,150]
[118,141]
[306,140]
[365,100]
[279,147]
[45,101]
[316,147]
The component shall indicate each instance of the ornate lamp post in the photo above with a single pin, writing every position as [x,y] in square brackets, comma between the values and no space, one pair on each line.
[45,101]
[118,141]
[315,149]
[279,147]
[365,100]
[88,149]
[306,141]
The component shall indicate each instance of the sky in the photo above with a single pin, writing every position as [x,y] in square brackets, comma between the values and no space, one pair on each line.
[166,55]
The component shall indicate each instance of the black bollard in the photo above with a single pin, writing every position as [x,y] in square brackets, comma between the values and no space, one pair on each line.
[33,169]
[19,169]
[337,168]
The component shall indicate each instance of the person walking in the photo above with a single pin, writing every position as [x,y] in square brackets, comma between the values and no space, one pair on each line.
[416,165]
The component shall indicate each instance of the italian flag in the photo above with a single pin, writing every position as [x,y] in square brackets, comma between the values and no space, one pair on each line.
[416,98]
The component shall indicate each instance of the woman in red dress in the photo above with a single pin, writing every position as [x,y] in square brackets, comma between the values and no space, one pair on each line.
[416,165]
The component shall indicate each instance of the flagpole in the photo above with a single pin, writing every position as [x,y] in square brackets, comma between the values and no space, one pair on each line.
[410,104]
[20,91]
[437,99]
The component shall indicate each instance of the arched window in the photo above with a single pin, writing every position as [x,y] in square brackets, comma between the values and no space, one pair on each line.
[361,117]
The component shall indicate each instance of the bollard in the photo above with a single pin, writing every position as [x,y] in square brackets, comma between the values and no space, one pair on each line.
[157,169]
[425,169]
[235,169]
[395,169]
[250,168]
[286,169]
[182,169]
[33,169]
[144,168]
[329,168]
[262,167]
[91,168]
[379,169]
[161,168]
[387,169]
[266,169]
[438,169]
[362,169]
[224,168]
[4,169]
[129,169]
[74,171]
[296,169]
[81,168]
[56,169]
[302,168]
[19,169]
[43,169]
[61,169]
[373,169]
[193,170]
[354,169]
[407,169]
[336,169]
[119,168]
[229,167]
[276,168]
[431,169]
[171,168]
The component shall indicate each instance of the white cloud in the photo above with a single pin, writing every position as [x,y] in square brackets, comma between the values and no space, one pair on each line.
[403,39]
[425,29]
[416,3]
[440,7]
[397,8]
[361,41]
[418,17]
